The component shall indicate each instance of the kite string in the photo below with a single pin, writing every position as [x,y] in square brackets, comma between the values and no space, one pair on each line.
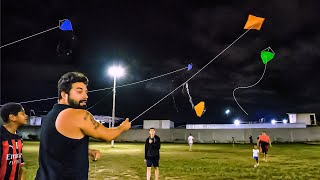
[269,48]
[29,36]
[100,100]
[245,87]
[192,75]
[45,99]
[141,80]
[174,101]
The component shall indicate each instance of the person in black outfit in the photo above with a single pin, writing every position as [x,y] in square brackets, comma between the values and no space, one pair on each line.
[152,155]
[251,140]
[65,131]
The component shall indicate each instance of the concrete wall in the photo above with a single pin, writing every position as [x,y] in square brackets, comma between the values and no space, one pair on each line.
[210,136]
[246,126]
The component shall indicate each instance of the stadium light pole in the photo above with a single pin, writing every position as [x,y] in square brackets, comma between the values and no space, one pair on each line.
[227,113]
[115,71]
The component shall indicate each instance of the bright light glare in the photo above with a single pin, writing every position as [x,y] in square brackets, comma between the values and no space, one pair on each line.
[273,121]
[285,121]
[227,111]
[236,122]
[116,71]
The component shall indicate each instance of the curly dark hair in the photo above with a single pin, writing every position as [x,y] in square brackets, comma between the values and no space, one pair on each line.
[66,81]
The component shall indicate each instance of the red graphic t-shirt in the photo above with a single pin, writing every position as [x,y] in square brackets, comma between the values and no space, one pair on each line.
[11,154]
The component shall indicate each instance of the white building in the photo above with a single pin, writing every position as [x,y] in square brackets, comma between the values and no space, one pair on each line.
[35,120]
[307,118]
[158,124]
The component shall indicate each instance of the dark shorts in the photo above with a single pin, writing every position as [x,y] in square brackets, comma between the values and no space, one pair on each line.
[264,147]
[152,162]
[255,158]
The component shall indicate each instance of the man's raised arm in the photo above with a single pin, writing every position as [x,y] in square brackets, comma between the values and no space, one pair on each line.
[90,127]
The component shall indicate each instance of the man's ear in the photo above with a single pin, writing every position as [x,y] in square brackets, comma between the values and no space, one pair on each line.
[64,95]
[12,117]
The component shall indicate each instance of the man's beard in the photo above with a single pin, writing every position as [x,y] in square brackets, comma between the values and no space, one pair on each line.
[76,104]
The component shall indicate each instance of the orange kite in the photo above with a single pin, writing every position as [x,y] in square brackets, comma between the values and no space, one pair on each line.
[200,108]
[254,22]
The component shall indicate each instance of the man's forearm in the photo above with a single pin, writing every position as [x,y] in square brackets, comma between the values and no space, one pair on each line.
[112,133]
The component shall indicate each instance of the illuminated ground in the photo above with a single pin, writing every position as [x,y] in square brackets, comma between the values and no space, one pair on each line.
[207,161]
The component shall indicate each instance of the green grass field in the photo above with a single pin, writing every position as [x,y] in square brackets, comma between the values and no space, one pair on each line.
[206,161]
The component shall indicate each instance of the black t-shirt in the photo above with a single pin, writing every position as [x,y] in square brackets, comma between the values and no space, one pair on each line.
[11,154]
[61,157]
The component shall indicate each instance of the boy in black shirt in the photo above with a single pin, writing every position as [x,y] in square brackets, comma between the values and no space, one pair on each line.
[151,155]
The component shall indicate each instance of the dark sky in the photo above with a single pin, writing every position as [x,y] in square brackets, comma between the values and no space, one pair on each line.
[153,38]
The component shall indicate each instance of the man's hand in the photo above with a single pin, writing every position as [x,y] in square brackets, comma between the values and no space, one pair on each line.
[125,125]
[94,154]
[150,141]
[145,161]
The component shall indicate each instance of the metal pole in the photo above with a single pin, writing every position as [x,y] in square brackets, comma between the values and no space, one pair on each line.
[114,105]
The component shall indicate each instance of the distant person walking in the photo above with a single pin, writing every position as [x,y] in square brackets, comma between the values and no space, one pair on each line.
[190,142]
[250,138]
[264,142]
[255,154]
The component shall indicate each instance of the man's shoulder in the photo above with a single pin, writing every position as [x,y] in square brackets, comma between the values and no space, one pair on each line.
[72,116]
[74,113]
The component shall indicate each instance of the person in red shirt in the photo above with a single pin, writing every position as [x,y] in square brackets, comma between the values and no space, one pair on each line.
[11,161]
[264,142]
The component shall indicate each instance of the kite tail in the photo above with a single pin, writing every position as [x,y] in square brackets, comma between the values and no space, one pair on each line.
[190,98]
[245,87]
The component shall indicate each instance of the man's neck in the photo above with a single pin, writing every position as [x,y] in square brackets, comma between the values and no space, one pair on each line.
[62,102]
[12,128]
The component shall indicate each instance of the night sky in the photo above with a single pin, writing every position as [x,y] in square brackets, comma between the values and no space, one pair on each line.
[153,38]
